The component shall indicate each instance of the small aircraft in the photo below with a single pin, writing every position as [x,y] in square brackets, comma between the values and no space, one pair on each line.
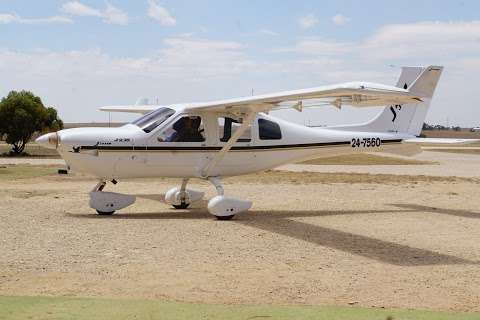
[233,137]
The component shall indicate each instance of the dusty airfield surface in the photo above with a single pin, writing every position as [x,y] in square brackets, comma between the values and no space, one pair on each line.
[432,163]
[310,238]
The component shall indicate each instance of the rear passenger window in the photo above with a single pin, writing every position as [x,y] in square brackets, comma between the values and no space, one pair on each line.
[269,130]
[228,126]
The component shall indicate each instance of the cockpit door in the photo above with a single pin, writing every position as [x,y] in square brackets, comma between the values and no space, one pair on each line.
[179,148]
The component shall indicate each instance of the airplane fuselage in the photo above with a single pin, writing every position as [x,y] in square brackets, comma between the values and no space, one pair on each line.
[130,152]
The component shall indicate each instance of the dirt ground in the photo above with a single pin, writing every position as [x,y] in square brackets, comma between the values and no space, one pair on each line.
[369,240]
[441,164]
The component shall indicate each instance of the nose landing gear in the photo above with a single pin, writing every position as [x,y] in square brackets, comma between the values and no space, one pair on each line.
[222,207]
[106,203]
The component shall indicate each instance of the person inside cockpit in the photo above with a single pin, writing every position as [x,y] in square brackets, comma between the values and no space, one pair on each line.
[187,129]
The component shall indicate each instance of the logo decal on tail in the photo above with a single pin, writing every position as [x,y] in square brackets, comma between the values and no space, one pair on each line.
[394,111]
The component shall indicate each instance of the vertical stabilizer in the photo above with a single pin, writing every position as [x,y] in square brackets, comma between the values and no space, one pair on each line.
[405,118]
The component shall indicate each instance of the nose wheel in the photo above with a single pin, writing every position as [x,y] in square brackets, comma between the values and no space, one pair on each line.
[225,218]
[103,213]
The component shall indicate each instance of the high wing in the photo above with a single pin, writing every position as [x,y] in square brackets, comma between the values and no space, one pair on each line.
[357,94]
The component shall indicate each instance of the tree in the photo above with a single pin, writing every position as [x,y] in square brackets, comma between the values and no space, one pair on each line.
[21,115]
[52,122]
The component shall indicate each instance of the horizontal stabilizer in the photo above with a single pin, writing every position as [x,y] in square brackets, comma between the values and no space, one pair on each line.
[130,109]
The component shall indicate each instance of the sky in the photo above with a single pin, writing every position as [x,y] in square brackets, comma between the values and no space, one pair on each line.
[81,55]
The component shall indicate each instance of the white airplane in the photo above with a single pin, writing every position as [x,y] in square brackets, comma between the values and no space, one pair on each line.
[235,137]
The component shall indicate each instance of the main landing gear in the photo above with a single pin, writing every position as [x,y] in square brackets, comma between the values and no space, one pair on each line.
[181,198]
[222,207]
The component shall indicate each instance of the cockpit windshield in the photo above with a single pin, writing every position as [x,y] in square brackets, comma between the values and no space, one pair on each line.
[153,119]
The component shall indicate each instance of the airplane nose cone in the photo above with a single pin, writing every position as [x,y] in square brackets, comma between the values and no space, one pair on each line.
[49,140]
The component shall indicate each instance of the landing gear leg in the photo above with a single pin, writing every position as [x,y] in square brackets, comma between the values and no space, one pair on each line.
[222,207]
[217,183]
[100,185]
[183,196]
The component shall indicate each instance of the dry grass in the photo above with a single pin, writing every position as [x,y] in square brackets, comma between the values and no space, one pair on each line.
[31,150]
[464,134]
[286,177]
[364,159]
[15,172]
[94,308]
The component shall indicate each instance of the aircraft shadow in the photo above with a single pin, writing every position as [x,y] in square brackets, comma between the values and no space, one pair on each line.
[199,212]
[452,212]
[372,248]
[186,214]
[278,222]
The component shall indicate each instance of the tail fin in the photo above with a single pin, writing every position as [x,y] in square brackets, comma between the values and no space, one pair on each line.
[406,118]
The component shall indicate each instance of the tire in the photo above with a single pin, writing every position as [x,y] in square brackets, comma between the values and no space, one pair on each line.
[225,218]
[183,205]
[103,213]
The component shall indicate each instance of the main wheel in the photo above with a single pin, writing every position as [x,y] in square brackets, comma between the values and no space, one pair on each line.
[103,213]
[225,218]
[183,205]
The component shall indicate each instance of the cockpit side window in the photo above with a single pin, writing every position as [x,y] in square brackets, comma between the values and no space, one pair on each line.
[185,129]
[153,119]
[269,130]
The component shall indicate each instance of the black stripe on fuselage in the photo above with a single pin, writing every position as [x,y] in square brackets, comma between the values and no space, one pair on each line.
[235,148]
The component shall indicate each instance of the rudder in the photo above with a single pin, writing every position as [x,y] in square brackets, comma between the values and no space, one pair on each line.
[406,118]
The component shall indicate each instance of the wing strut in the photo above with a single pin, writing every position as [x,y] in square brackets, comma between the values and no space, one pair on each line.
[247,121]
